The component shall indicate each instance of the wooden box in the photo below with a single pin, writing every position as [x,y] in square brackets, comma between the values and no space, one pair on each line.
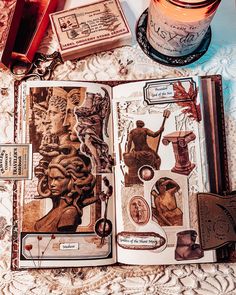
[90,28]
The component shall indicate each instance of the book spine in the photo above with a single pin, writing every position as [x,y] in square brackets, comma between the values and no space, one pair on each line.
[222,136]
[15,231]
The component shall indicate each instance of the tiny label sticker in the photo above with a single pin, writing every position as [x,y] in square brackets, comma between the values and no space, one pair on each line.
[170,91]
[140,240]
[69,246]
[15,161]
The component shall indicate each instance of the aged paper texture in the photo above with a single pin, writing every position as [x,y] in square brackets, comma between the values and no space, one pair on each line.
[15,161]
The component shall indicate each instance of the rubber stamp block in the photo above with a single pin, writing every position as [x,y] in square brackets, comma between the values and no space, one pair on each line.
[90,28]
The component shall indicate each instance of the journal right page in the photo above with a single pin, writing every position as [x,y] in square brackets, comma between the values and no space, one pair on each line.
[161,164]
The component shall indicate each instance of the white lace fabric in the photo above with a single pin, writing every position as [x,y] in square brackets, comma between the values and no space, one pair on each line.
[208,279]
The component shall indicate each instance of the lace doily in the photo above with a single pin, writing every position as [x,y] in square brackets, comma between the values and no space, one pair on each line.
[207,279]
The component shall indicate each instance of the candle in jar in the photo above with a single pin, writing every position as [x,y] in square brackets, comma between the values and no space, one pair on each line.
[176,28]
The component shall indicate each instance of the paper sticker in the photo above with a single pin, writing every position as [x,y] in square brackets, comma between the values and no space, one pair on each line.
[69,246]
[139,210]
[167,91]
[140,240]
[15,161]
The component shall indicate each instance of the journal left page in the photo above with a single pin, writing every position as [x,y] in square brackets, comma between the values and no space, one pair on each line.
[64,214]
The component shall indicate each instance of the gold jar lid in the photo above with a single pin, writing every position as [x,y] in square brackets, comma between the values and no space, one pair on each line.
[193,3]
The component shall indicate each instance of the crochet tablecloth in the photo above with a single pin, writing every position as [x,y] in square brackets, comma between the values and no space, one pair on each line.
[126,63]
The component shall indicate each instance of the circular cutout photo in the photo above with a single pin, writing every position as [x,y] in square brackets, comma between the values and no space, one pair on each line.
[146,173]
[103,228]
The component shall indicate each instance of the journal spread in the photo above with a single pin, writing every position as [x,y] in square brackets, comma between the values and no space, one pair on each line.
[119,172]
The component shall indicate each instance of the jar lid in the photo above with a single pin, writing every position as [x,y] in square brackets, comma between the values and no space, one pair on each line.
[193,3]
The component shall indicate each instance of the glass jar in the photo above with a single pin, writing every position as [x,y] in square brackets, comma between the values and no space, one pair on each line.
[176,27]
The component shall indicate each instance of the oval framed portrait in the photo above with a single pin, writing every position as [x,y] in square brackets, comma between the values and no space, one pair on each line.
[139,210]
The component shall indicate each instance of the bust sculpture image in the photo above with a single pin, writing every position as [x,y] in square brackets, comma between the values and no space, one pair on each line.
[69,183]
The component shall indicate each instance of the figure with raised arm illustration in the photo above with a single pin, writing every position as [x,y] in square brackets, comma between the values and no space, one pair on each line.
[139,153]
[92,124]
[167,212]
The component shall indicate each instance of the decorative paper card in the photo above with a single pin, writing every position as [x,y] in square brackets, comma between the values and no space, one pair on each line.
[162,158]
[15,161]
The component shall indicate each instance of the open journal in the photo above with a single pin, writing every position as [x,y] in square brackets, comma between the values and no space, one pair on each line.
[111,173]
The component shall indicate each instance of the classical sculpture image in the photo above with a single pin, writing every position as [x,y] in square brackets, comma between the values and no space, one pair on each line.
[69,183]
[54,129]
[166,210]
[56,112]
[39,111]
[92,122]
[139,153]
[68,125]
[74,99]
[139,210]
[186,246]
[37,126]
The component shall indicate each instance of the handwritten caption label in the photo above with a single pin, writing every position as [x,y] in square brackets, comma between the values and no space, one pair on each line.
[140,241]
[69,246]
[162,91]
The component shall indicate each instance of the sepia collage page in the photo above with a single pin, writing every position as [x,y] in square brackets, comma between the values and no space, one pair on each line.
[162,163]
[65,213]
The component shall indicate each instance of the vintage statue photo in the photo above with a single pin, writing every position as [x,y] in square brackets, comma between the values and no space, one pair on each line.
[186,246]
[139,153]
[69,183]
[166,210]
[139,210]
[68,128]
[92,123]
